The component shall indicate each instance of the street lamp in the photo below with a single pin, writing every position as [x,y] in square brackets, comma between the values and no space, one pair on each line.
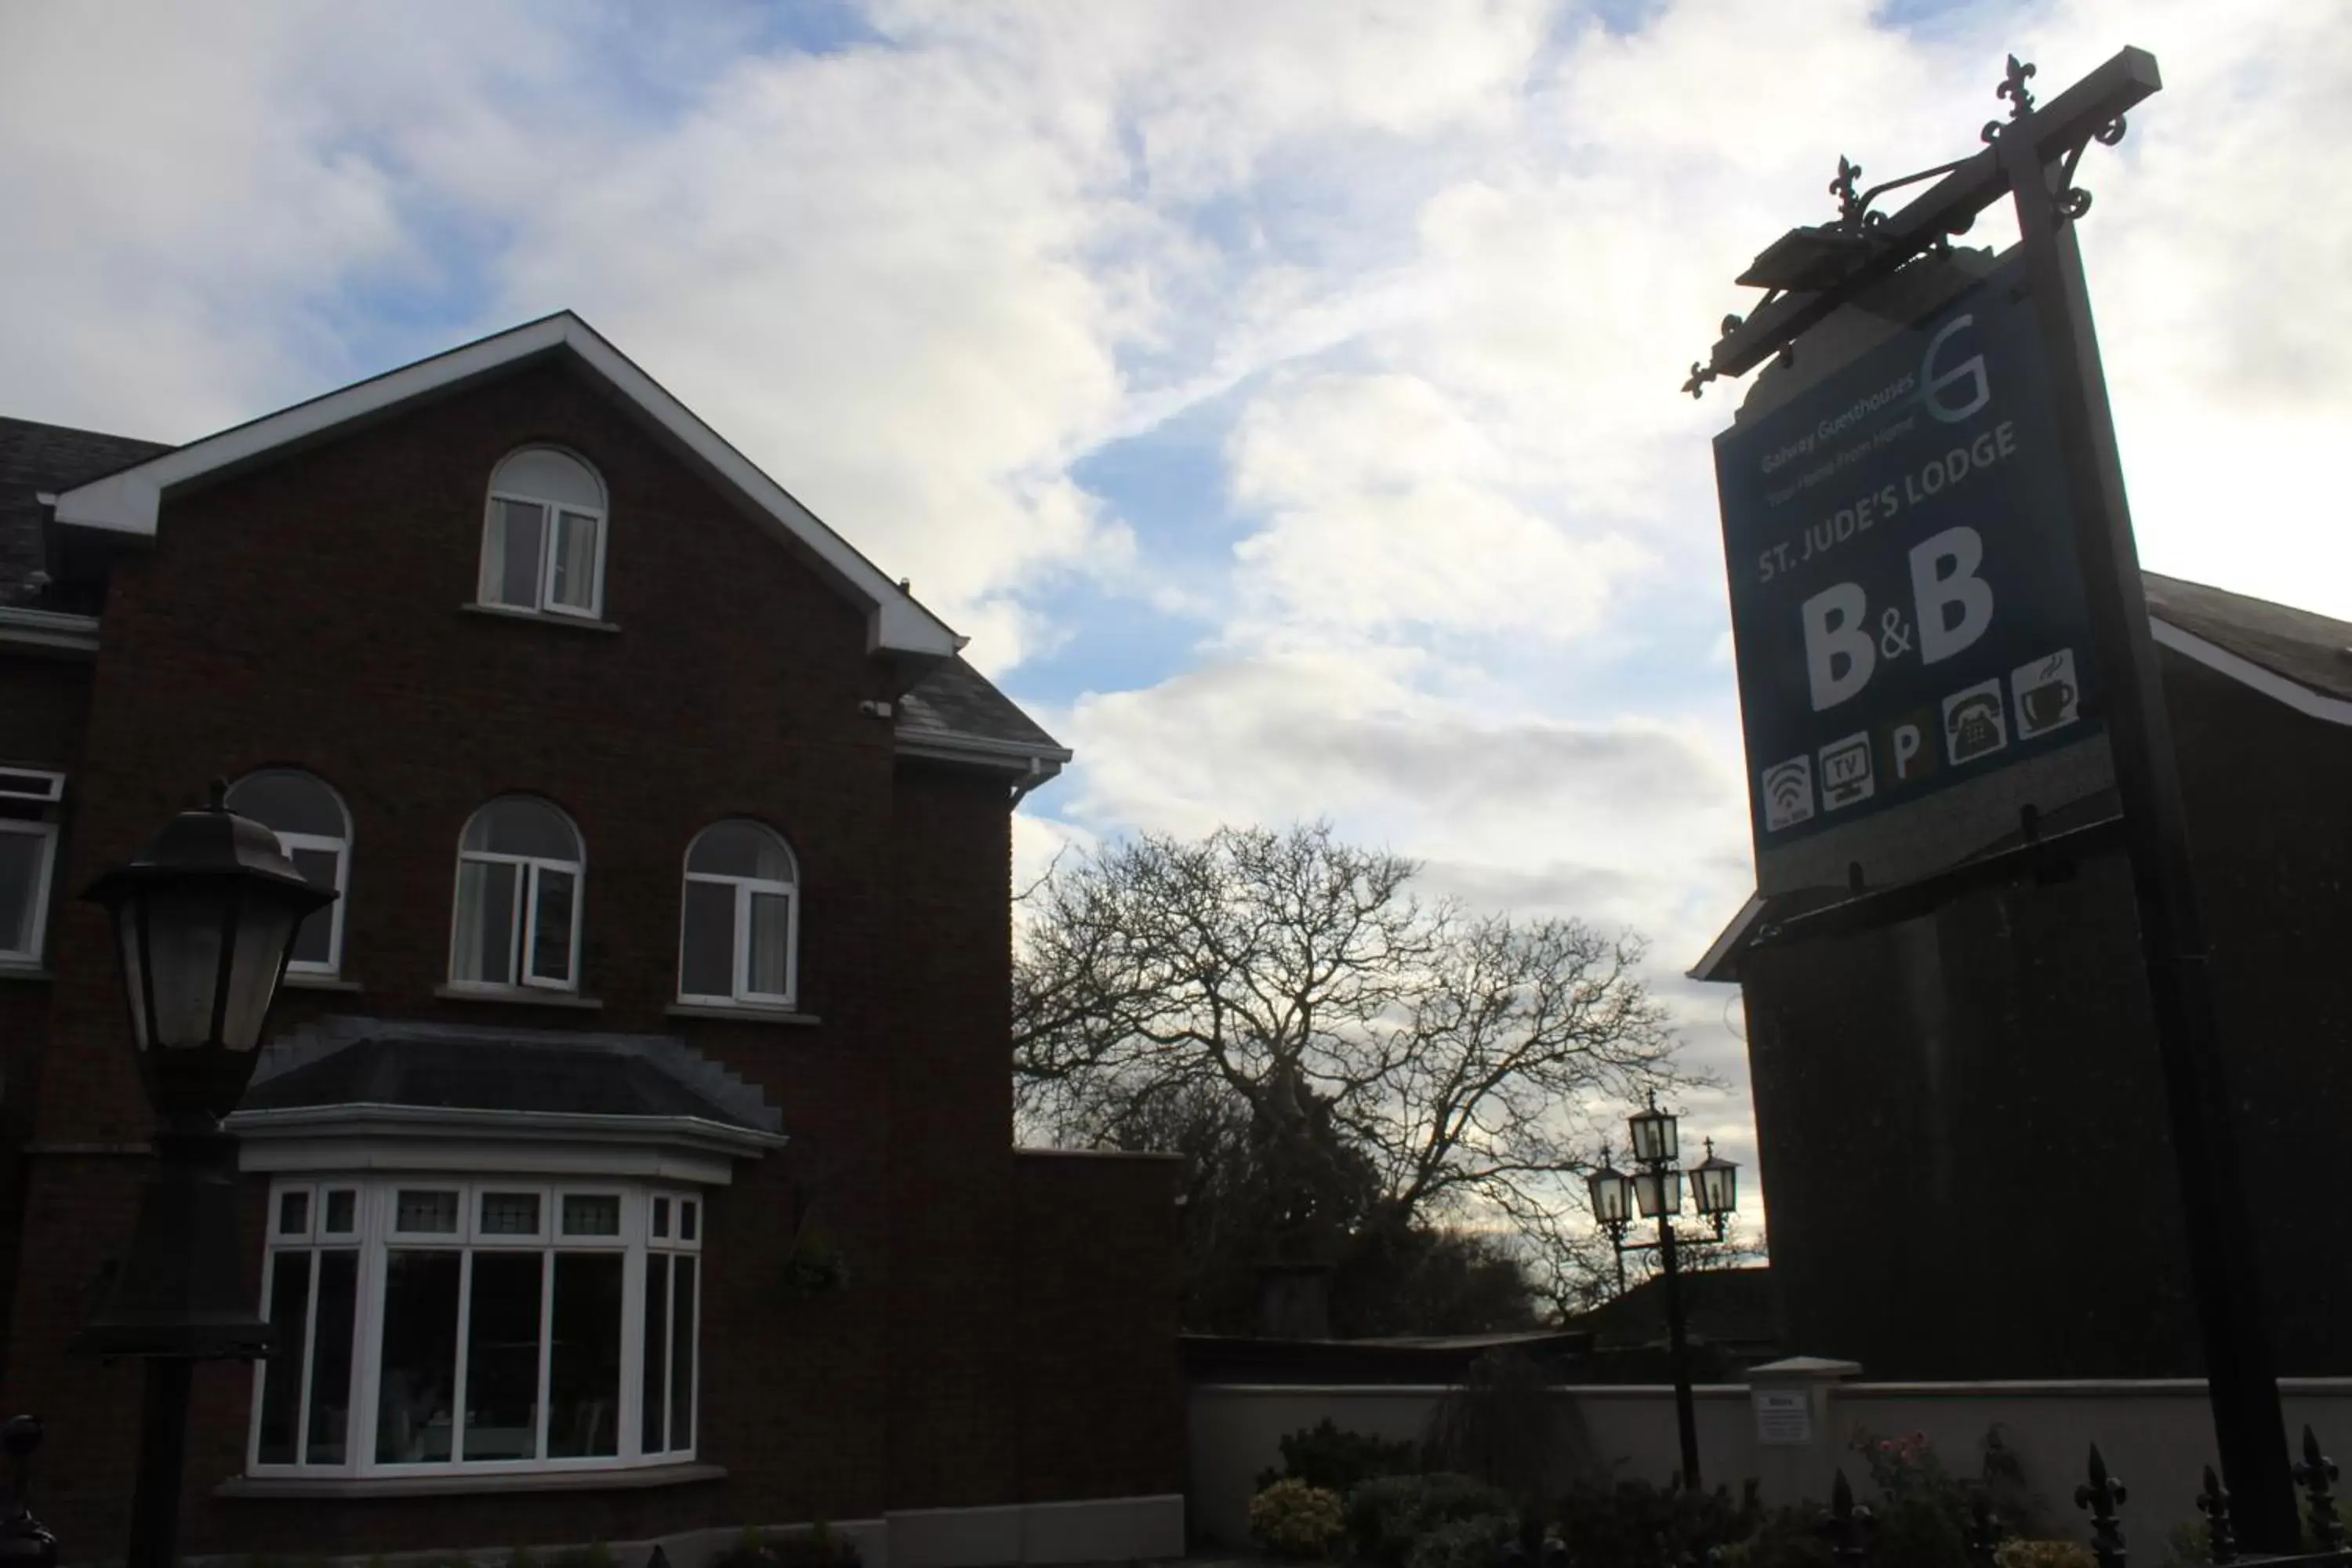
[203,921]
[1655,1189]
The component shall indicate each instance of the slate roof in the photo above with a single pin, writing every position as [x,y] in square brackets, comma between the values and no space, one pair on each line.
[1729,1306]
[37,458]
[956,701]
[2309,649]
[370,1061]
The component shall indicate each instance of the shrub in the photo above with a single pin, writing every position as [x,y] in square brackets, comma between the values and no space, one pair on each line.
[1917,1531]
[2043,1554]
[1499,1426]
[815,1547]
[1386,1515]
[1474,1543]
[1783,1538]
[1324,1456]
[1292,1519]
[1635,1522]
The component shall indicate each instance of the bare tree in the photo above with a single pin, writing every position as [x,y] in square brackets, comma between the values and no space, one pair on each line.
[1466,1061]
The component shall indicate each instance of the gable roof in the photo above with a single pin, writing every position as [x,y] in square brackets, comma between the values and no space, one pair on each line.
[130,499]
[2299,658]
[39,459]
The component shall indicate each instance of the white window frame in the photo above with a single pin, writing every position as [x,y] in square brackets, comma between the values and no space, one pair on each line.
[376,1237]
[523,932]
[746,888]
[342,849]
[52,785]
[551,512]
[44,873]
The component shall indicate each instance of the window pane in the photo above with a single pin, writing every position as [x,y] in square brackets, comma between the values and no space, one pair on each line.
[584,1364]
[686,1217]
[707,958]
[330,1367]
[514,555]
[661,1216]
[520,825]
[289,803]
[342,1211]
[314,943]
[281,1379]
[592,1214]
[681,1356]
[656,1352]
[293,1214]
[741,850]
[770,929]
[20,881]
[574,583]
[550,947]
[502,1357]
[418,1356]
[427,1211]
[485,921]
[548,475]
[509,1214]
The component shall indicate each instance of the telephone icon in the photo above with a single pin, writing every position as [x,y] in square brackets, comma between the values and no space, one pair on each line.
[1974,723]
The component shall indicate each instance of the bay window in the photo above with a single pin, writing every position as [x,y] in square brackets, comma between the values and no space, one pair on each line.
[427,1325]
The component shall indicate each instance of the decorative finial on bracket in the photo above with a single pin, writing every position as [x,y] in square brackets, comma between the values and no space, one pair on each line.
[1700,375]
[2012,88]
[1850,205]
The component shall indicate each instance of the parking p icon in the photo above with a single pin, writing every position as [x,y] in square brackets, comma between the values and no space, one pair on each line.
[1909,744]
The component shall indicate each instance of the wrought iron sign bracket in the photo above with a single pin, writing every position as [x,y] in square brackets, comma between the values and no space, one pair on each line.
[1810,272]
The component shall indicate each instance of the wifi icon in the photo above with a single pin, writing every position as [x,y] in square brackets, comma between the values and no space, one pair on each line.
[1788,793]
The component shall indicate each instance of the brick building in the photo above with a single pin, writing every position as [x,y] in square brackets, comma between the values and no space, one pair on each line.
[1961,1123]
[632,1157]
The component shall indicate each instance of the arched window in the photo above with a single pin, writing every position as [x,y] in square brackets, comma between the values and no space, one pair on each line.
[519,871]
[741,922]
[316,831]
[543,541]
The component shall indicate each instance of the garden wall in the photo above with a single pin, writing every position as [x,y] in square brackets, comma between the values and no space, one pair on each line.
[2156,1435]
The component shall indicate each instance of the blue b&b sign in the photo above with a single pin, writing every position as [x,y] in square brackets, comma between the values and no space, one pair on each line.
[1905,597]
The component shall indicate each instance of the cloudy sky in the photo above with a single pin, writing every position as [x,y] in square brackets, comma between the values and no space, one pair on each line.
[1280,392]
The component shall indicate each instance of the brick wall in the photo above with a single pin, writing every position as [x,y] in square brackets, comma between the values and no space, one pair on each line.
[1965,1144]
[307,614]
[1098,1294]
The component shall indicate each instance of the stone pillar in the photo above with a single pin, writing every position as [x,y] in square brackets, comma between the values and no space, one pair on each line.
[1797,1442]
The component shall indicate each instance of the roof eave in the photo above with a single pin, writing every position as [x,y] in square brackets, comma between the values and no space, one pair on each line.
[130,502]
[376,1120]
[1017,757]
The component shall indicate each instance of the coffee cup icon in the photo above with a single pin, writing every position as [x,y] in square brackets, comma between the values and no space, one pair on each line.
[2050,704]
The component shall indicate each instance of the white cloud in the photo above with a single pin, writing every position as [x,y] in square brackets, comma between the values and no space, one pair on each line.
[1442,259]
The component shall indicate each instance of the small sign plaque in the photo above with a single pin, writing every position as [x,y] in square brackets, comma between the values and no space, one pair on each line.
[1784,1417]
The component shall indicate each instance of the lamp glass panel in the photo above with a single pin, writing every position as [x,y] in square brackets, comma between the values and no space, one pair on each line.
[1658,1193]
[265,929]
[184,952]
[1715,1187]
[135,969]
[1655,1135]
[1612,1201]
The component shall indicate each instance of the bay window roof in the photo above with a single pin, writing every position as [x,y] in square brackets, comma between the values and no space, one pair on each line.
[417,1083]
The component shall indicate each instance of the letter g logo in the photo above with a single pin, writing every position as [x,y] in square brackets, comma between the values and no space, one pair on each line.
[1931,384]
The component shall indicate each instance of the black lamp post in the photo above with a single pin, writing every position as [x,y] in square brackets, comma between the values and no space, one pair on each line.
[1656,1190]
[204,919]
